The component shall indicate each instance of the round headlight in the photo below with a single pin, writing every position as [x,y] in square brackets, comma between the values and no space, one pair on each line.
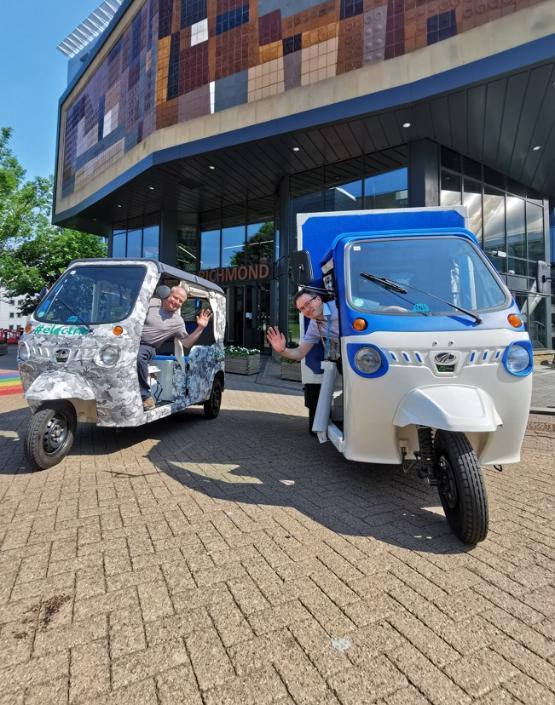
[518,359]
[109,355]
[23,352]
[368,360]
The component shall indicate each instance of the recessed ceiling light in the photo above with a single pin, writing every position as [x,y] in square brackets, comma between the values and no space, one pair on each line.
[296,149]
[536,148]
[119,205]
[211,167]
[151,188]
[406,124]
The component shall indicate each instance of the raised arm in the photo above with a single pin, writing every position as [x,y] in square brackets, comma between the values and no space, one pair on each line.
[277,341]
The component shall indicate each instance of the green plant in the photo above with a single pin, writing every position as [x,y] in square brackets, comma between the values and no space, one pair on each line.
[237,351]
[287,361]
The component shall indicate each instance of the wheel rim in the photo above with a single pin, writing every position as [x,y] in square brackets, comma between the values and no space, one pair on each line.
[447,485]
[55,434]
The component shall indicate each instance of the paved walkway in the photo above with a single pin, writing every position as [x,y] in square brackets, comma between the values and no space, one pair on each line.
[238,561]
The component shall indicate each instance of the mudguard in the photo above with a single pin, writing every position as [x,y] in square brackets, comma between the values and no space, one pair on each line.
[450,407]
[57,384]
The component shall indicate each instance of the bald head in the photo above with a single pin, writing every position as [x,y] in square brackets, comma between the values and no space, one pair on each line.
[175,300]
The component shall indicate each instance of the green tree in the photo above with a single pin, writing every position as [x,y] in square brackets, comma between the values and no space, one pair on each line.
[33,252]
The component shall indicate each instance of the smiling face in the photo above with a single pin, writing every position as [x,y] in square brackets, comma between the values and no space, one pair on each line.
[175,300]
[310,305]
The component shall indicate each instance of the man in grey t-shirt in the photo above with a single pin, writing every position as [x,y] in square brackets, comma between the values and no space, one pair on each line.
[163,321]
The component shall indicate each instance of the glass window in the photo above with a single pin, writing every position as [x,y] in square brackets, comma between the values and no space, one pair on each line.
[92,294]
[209,249]
[118,243]
[260,244]
[187,249]
[461,276]
[451,187]
[516,236]
[472,199]
[389,190]
[134,243]
[344,185]
[233,242]
[534,227]
[151,237]
[537,320]
[494,227]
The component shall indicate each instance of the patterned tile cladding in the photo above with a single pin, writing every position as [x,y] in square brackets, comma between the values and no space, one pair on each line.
[180,59]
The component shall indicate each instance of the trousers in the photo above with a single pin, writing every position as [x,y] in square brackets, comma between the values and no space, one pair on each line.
[146,353]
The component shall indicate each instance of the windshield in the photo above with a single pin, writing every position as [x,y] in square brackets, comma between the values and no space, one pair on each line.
[93,294]
[446,267]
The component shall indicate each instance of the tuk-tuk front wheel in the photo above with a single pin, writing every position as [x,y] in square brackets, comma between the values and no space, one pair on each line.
[461,486]
[50,435]
[213,403]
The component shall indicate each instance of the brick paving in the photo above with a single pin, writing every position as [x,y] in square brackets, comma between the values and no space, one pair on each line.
[237,561]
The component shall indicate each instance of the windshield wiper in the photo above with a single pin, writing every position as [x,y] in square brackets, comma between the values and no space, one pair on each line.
[77,316]
[386,283]
[394,286]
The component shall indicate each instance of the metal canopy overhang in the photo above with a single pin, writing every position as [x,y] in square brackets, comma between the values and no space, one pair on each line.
[496,120]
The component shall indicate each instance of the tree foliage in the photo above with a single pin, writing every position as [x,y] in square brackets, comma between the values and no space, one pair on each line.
[33,252]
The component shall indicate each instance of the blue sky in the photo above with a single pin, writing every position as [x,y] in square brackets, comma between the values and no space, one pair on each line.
[33,74]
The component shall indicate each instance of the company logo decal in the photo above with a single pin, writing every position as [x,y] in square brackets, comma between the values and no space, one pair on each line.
[43,329]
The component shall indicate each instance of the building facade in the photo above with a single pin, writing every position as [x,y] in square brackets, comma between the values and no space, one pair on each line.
[196,130]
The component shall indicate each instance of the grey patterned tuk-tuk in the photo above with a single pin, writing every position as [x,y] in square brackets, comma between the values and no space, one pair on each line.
[78,355]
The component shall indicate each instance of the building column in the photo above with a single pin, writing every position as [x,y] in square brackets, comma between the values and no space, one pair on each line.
[424,173]
[168,238]
[285,246]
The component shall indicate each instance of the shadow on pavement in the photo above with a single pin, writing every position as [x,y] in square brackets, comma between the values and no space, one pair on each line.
[265,459]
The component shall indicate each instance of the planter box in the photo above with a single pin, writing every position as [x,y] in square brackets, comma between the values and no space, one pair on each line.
[243,365]
[291,371]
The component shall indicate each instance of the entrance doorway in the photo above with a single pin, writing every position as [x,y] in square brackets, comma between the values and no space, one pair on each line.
[248,313]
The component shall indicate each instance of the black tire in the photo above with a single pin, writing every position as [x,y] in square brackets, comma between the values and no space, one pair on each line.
[50,435]
[213,404]
[311,395]
[461,486]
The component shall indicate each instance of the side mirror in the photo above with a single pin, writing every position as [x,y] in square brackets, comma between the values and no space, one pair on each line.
[300,267]
[42,293]
[543,277]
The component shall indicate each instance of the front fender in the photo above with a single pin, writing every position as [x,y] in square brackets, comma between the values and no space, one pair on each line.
[58,384]
[449,407]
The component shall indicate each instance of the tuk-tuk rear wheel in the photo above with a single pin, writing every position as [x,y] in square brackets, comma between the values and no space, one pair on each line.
[50,435]
[212,405]
[461,486]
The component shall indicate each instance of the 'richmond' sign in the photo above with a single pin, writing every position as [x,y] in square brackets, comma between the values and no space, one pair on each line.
[244,273]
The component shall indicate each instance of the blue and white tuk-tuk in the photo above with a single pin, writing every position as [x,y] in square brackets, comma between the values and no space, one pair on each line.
[435,362]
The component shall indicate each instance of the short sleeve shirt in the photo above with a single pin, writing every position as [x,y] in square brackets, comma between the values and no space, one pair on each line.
[161,325]
[318,330]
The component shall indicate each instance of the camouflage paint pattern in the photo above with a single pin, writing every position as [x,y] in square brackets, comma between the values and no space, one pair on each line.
[63,362]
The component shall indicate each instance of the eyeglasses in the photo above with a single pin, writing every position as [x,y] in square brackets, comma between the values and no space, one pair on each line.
[303,308]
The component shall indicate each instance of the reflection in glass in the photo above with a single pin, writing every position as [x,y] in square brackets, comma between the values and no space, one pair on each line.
[450,189]
[494,226]
[209,249]
[134,244]
[187,249]
[151,237]
[233,242]
[516,238]
[537,320]
[344,197]
[472,199]
[260,244]
[389,190]
[534,227]
[118,243]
